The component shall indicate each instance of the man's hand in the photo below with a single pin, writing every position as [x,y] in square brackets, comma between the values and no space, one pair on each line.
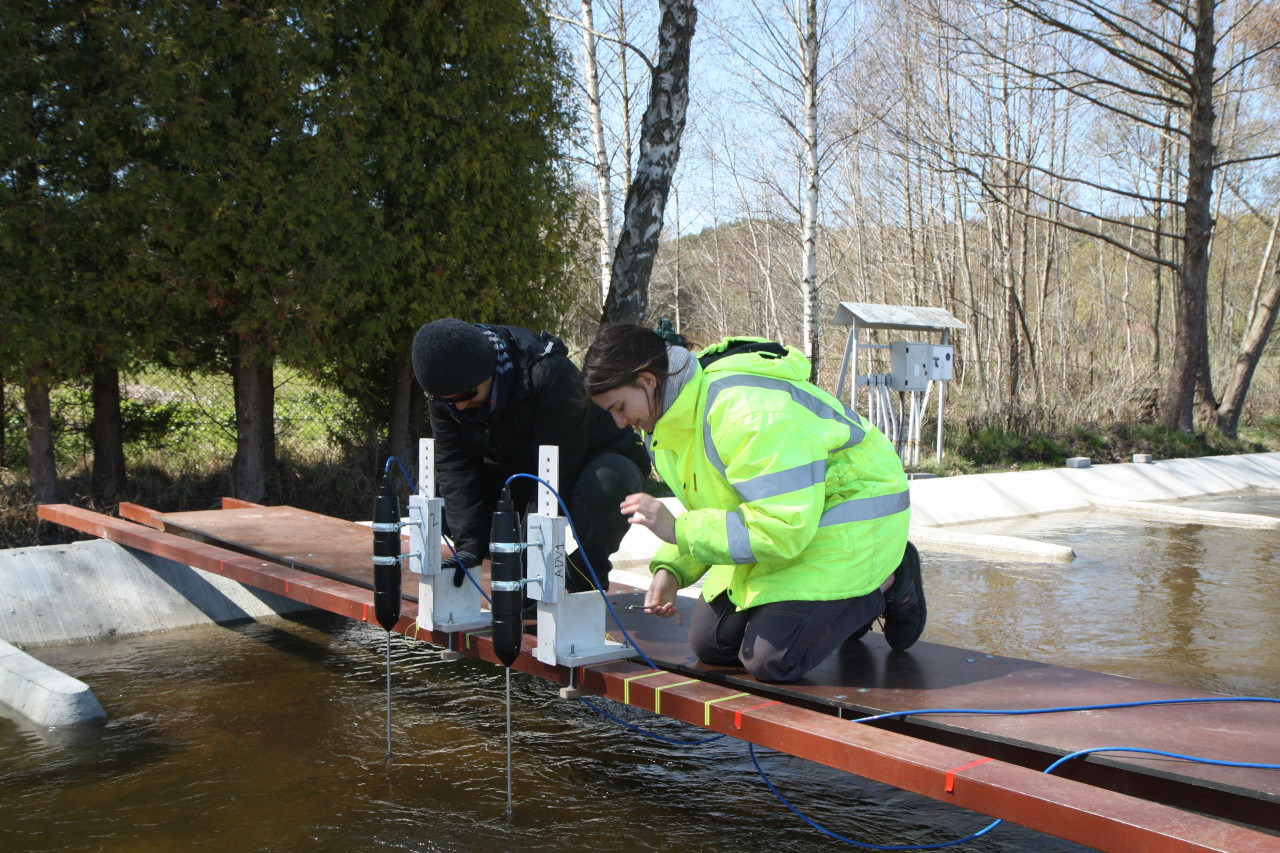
[460,563]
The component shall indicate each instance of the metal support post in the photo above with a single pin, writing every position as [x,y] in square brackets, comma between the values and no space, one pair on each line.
[441,605]
[571,625]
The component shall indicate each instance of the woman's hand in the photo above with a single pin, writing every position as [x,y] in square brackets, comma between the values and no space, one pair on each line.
[647,510]
[661,597]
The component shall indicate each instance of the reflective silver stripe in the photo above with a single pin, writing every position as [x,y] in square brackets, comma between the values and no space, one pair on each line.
[386,561]
[799,394]
[866,509]
[739,539]
[782,482]
[385,526]
[505,586]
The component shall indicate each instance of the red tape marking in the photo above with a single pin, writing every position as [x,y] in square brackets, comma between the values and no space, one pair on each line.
[950,785]
[737,715]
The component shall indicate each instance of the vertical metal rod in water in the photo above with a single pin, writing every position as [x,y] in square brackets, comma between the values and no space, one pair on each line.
[388,695]
[386,573]
[509,809]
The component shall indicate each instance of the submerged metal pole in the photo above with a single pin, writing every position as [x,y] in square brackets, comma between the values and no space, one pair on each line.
[509,808]
[388,695]
[386,573]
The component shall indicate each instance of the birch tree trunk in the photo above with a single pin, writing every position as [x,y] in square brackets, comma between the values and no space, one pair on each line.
[809,222]
[660,133]
[604,196]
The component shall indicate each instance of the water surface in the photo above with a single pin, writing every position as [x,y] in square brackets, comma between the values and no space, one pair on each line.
[271,735]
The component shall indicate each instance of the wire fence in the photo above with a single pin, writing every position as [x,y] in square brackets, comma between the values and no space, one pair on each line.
[187,419]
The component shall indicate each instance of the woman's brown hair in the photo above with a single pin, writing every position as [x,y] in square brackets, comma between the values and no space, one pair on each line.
[621,352]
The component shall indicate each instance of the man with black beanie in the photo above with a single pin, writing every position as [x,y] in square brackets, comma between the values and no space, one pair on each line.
[494,395]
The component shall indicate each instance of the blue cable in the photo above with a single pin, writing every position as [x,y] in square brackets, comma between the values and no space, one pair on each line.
[387,469]
[1214,761]
[1051,767]
[590,570]
[864,845]
[1054,710]
[602,712]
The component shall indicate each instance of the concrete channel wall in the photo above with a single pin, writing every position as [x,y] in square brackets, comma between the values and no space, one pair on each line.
[941,502]
[87,590]
[81,592]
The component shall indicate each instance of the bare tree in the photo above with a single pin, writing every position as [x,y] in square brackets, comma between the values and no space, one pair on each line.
[604,190]
[776,50]
[1262,319]
[1146,61]
[660,133]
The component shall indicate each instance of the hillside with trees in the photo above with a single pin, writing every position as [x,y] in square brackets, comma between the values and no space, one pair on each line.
[267,200]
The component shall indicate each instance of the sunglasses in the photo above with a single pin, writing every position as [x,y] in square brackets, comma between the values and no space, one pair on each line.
[457,398]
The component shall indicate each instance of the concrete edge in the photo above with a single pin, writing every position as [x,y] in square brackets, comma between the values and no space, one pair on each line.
[990,544]
[43,695]
[940,502]
[1185,515]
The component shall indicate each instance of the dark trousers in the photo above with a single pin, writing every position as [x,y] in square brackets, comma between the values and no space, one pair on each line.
[605,480]
[777,642]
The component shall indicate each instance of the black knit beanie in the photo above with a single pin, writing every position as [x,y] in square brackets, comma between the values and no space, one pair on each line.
[450,357]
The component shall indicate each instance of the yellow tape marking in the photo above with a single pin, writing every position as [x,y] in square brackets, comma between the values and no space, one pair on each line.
[657,693]
[626,684]
[706,706]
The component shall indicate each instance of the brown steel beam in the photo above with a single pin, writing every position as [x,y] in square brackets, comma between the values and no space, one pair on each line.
[1068,809]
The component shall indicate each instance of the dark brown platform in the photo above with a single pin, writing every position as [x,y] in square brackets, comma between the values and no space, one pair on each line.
[867,678]
[320,544]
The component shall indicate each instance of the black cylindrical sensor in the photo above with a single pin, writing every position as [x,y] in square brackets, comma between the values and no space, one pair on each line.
[505,582]
[386,558]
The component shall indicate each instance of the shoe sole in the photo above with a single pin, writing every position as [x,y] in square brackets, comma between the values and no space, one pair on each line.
[911,563]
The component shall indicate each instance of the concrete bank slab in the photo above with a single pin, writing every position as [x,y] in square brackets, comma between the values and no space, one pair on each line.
[943,501]
[43,695]
[986,497]
[85,590]
[1184,515]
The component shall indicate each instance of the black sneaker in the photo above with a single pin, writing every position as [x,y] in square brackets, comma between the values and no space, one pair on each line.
[904,607]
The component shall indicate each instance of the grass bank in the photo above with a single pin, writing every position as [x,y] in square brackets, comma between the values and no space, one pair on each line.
[180,438]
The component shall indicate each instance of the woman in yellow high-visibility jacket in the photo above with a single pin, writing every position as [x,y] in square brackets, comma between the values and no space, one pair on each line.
[797,508]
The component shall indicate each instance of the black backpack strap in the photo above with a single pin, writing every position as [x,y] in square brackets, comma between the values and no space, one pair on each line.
[769,349]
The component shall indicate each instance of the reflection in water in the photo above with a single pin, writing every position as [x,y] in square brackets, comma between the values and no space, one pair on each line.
[1191,605]
[1184,551]
[271,736]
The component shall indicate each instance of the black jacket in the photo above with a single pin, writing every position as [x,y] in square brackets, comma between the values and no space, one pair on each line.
[546,406]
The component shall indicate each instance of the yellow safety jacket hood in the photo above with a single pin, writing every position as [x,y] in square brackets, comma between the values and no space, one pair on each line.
[790,495]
